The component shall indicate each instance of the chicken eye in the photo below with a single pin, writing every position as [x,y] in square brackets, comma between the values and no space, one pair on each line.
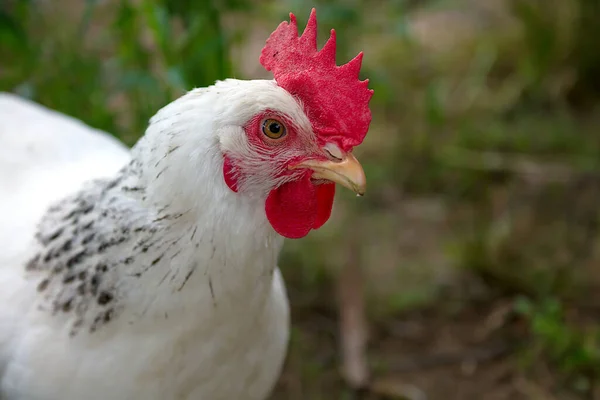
[273,129]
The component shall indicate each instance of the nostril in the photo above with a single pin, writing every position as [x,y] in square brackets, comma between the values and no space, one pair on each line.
[334,151]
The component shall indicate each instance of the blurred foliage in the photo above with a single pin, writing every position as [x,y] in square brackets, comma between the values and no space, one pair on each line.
[574,350]
[117,75]
[483,157]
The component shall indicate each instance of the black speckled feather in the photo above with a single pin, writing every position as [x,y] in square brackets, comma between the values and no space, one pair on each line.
[80,240]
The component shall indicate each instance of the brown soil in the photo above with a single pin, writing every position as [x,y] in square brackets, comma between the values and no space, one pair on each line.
[450,352]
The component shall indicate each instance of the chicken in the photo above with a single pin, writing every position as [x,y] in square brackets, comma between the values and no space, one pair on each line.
[152,274]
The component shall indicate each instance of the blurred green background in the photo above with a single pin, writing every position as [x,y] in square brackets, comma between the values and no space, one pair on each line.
[477,245]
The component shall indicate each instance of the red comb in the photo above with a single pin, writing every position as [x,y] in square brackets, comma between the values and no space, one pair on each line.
[336,101]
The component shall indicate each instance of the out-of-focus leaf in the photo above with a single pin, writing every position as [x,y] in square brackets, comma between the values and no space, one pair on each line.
[12,34]
[157,19]
[434,104]
[175,77]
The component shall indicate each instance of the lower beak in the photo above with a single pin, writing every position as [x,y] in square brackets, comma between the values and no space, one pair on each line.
[347,172]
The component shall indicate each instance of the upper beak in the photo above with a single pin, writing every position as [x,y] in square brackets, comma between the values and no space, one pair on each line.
[347,172]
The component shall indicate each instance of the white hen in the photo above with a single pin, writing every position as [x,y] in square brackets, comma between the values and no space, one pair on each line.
[152,274]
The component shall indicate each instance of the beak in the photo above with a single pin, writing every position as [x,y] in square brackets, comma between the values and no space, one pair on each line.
[347,172]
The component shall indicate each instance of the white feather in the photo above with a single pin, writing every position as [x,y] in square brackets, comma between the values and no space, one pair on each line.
[197,307]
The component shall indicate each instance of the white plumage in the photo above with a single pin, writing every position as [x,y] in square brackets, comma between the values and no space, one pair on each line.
[147,278]
[151,273]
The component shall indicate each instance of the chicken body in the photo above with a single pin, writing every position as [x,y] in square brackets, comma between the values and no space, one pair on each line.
[147,278]
[152,273]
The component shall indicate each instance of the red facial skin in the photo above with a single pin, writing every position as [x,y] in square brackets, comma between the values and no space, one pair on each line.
[294,208]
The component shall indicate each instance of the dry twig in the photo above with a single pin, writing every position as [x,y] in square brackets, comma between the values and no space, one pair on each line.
[353,323]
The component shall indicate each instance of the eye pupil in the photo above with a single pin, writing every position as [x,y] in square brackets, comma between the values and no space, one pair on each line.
[275,127]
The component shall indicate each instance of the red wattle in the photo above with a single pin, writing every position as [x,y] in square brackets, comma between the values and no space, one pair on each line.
[294,208]
[325,195]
